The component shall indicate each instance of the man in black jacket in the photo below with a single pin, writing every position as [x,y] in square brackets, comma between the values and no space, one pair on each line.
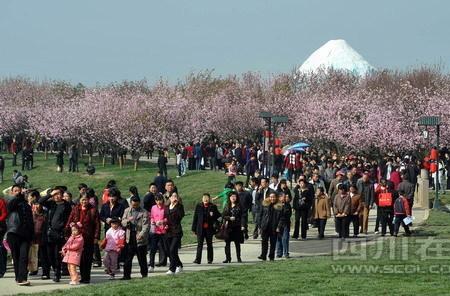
[263,193]
[271,222]
[303,199]
[205,216]
[149,198]
[245,200]
[20,233]
[58,214]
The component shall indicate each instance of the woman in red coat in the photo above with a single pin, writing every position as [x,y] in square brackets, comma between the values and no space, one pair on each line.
[88,216]
[395,177]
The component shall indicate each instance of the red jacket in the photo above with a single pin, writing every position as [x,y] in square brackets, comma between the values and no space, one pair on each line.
[90,221]
[3,210]
[396,179]
[407,209]
[294,162]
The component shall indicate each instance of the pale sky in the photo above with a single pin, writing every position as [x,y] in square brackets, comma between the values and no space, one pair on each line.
[103,41]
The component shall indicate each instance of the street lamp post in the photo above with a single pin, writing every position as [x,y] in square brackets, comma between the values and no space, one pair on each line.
[433,121]
[267,117]
[276,120]
[271,121]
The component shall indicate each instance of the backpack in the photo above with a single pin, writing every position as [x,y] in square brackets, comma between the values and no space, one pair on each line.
[398,205]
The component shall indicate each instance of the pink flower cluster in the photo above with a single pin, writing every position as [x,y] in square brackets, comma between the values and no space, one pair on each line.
[378,112]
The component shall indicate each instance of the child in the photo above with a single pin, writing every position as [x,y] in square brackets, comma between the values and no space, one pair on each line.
[401,211]
[115,241]
[72,252]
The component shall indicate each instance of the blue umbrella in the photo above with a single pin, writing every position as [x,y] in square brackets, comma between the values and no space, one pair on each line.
[299,145]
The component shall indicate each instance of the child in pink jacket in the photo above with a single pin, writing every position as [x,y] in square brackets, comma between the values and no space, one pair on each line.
[72,252]
[115,241]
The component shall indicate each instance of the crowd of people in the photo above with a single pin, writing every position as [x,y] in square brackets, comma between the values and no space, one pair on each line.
[58,233]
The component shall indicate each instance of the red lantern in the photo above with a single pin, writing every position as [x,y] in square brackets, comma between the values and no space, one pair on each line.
[267,134]
[277,142]
[426,163]
[433,167]
[434,155]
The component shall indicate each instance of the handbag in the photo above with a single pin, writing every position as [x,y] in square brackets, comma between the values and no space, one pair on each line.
[223,233]
[385,199]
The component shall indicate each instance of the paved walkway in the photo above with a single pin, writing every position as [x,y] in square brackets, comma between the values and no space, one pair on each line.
[250,251]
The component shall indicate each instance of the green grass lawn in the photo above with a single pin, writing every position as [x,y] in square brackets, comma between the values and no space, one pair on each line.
[191,187]
[407,271]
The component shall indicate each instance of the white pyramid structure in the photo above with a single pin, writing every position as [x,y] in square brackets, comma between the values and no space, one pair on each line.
[338,55]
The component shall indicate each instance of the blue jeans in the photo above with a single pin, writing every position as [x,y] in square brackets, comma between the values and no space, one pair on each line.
[198,162]
[283,242]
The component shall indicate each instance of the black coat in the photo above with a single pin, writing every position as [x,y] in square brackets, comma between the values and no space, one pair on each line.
[260,197]
[286,192]
[25,227]
[58,214]
[174,217]
[271,218]
[307,196]
[149,201]
[106,212]
[287,213]
[245,200]
[235,226]
[202,215]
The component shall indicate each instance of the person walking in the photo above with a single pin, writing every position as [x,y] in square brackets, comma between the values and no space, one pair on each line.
[341,209]
[367,192]
[135,221]
[401,211]
[19,234]
[60,160]
[205,218]
[272,222]
[384,199]
[3,252]
[232,215]
[58,212]
[174,213]
[245,200]
[322,211]
[303,199]
[283,235]
[115,242]
[2,168]
[355,210]
[87,216]
[158,229]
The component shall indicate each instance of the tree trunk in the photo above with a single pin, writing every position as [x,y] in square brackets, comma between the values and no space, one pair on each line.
[120,162]
[136,161]
[104,160]
[45,152]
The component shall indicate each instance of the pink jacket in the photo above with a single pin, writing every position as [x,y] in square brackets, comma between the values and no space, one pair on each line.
[72,250]
[157,215]
[115,239]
